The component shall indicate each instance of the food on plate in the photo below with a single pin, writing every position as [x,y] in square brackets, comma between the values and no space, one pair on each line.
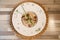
[29,19]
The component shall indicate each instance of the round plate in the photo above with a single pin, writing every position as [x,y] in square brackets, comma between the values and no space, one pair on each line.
[32,9]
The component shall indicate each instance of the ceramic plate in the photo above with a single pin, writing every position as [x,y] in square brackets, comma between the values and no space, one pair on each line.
[29,19]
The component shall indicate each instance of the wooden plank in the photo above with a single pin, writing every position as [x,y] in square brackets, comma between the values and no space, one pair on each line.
[59,36]
[57,1]
[45,1]
[9,1]
[6,33]
[54,15]
[41,39]
[32,39]
[53,29]
[52,7]
[8,37]
[46,39]
[4,22]
[5,12]
[54,25]
[47,8]
[47,35]
[4,17]
[5,26]
[53,12]
[6,9]
[51,33]
[7,5]
[17,1]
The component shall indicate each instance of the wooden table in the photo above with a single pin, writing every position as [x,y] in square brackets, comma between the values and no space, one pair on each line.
[51,6]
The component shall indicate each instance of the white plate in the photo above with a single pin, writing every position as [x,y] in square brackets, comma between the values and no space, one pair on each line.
[18,25]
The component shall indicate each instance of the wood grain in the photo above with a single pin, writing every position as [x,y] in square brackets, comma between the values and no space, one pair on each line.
[17,1]
[47,7]
[57,1]
[53,9]
[52,32]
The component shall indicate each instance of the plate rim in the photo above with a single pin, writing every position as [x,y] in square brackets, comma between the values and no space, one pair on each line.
[28,37]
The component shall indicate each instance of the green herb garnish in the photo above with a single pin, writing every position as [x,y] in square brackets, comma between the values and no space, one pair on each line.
[38,29]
